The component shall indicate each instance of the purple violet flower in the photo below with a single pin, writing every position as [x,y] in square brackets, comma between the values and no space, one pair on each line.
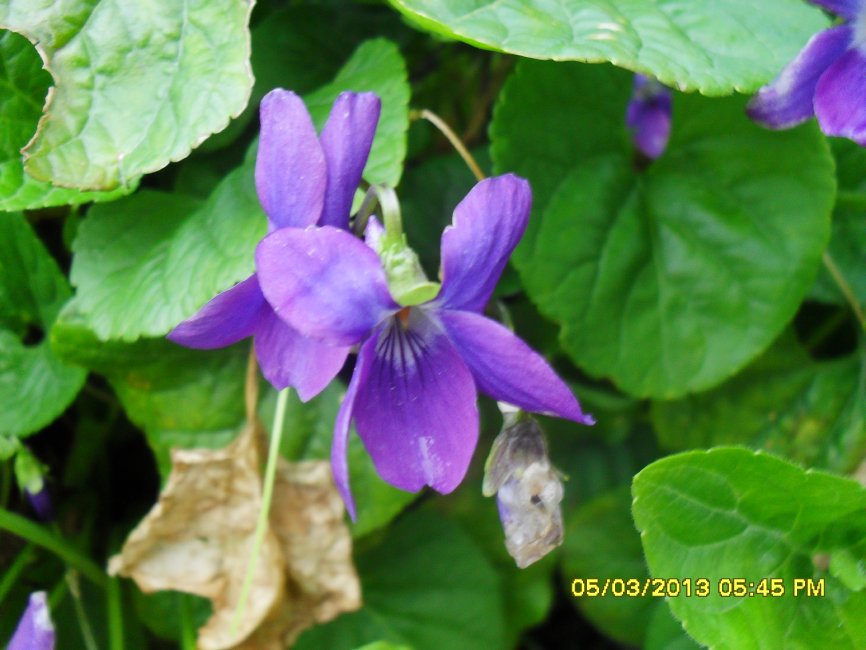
[35,630]
[648,116]
[827,79]
[302,179]
[413,392]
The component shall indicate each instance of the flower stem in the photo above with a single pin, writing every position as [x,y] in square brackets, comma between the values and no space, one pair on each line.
[80,614]
[10,577]
[440,124]
[267,494]
[26,529]
[845,288]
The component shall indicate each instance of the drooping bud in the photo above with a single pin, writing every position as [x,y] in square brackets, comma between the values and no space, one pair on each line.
[528,490]
[648,116]
[35,630]
[29,473]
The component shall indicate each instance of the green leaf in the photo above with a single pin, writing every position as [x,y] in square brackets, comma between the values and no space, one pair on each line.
[426,585]
[731,513]
[136,84]
[35,386]
[601,543]
[529,592]
[664,632]
[376,66]
[23,87]
[847,248]
[307,432]
[669,279]
[145,263]
[177,396]
[714,46]
[811,412]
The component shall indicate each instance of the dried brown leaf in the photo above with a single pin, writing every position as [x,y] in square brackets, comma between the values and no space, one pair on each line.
[197,539]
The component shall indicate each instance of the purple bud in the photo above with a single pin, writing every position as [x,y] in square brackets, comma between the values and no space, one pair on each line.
[35,630]
[528,490]
[648,116]
[40,501]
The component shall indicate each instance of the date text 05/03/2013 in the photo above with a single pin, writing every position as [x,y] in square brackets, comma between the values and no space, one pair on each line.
[699,587]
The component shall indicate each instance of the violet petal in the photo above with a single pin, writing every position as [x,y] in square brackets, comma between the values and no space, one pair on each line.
[788,100]
[287,358]
[416,413]
[324,282]
[649,116]
[339,447]
[227,318]
[346,140]
[290,165]
[35,630]
[487,225]
[507,369]
[840,100]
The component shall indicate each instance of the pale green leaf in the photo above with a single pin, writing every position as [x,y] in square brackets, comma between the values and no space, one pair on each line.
[23,86]
[136,84]
[730,513]
[715,46]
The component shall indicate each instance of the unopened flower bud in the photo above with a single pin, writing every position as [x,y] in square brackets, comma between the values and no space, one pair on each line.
[29,473]
[528,490]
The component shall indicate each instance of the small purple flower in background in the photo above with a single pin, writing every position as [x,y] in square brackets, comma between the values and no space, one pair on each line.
[413,392]
[40,501]
[35,630]
[827,79]
[648,116]
[302,179]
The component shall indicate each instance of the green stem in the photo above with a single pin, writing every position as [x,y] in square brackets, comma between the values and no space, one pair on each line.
[845,288]
[267,493]
[855,200]
[5,482]
[115,615]
[26,529]
[459,147]
[187,631]
[10,577]
[55,597]
[80,614]
[390,206]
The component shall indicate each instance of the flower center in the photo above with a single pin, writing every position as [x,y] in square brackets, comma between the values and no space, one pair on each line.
[403,315]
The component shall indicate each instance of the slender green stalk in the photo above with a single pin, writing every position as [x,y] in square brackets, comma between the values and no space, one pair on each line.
[32,532]
[115,615]
[846,289]
[267,494]
[455,141]
[855,200]
[56,595]
[80,614]
[10,577]
[187,631]
[5,482]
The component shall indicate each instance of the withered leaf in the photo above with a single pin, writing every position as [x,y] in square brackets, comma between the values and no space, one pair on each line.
[198,539]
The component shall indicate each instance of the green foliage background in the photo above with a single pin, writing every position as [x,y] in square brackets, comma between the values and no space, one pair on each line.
[707,307]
